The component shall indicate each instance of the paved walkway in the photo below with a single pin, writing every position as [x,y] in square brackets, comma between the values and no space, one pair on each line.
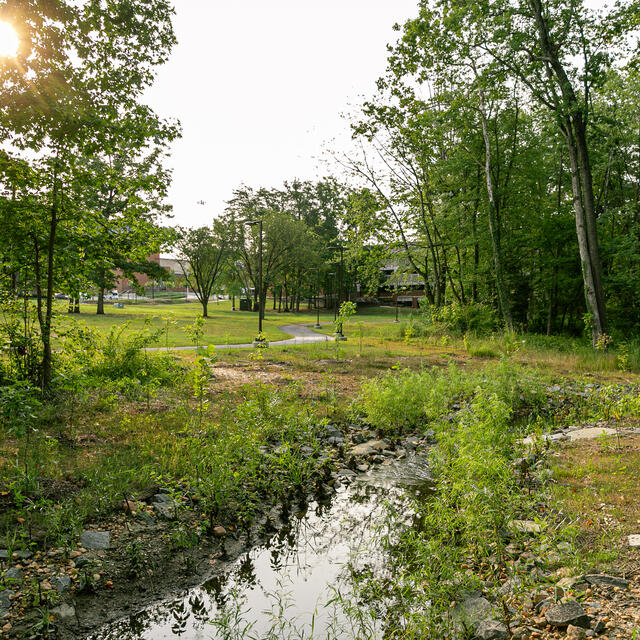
[302,334]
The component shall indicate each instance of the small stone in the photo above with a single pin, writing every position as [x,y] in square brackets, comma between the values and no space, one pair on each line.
[634,540]
[219,531]
[161,498]
[75,554]
[45,585]
[4,554]
[491,630]
[562,615]
[610,581]
[95,539]
[577,633]
[363,468]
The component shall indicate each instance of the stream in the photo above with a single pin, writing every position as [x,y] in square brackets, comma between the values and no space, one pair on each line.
[296,584]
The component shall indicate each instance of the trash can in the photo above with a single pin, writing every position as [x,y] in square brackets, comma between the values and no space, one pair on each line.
[245,304]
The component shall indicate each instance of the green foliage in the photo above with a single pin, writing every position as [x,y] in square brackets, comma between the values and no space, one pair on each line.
[457,319]
[407,400]
[201,375]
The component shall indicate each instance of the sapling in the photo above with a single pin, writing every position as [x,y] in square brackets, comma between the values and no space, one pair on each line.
[346,310]
[195,331]
[202,373]
[168,321]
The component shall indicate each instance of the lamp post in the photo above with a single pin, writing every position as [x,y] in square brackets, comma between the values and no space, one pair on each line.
[341,249]
[332,282]
[317,287]
[251,223]
[396,320]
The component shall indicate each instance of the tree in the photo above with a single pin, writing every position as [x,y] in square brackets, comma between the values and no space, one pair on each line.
[202,256]
[79,74]
[561,51]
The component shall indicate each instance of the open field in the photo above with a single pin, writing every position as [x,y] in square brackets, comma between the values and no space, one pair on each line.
[223,326]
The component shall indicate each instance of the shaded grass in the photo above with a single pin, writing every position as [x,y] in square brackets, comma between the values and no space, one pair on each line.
[597,486]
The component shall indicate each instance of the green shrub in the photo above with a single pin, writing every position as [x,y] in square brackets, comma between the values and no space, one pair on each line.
[457,318]
[400,401]
[119,357]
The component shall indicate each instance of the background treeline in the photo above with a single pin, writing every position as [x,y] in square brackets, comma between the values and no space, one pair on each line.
[502,153]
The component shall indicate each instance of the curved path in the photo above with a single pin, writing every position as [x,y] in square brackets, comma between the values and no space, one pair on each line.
[302,334]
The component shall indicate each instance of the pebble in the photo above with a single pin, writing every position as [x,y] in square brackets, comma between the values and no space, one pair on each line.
[577,633]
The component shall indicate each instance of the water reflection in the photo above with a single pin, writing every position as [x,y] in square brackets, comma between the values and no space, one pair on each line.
[288,586]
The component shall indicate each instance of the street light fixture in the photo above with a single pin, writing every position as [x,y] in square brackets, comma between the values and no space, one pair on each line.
[317,290]
[252,223]
[332,283]
[341,249]
[396,320]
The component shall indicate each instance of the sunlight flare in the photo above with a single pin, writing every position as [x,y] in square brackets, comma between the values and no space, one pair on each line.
[9,41]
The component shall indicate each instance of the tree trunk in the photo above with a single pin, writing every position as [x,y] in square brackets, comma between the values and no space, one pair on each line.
[100,307]
[205,307]
[493,224]
[573,126]
[590,291]
[586,181]
[45,328]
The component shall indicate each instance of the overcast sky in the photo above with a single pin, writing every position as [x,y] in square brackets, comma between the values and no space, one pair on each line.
[259,86]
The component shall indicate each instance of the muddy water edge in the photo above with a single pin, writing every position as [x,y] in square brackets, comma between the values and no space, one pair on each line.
[293,582]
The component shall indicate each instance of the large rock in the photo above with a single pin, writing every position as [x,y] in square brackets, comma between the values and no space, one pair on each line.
[163,510]
[525,526]
[562,615]
[5,601]
[609,581]
[95,540]
[13,575]
[61,583]
[634,540]
[576,633]
[368,448]
[64,613]
[491,630]
[472,612]
[591,433]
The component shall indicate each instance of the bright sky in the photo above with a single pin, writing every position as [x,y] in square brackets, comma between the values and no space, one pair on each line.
[259,86]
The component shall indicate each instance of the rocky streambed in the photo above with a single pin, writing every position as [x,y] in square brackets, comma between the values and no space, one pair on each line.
[117,571]
[142,577]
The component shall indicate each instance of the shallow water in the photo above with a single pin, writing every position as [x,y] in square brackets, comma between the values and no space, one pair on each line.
[293,585]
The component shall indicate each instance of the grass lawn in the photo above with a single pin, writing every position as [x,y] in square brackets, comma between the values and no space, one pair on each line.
[223,326]
[597,485]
